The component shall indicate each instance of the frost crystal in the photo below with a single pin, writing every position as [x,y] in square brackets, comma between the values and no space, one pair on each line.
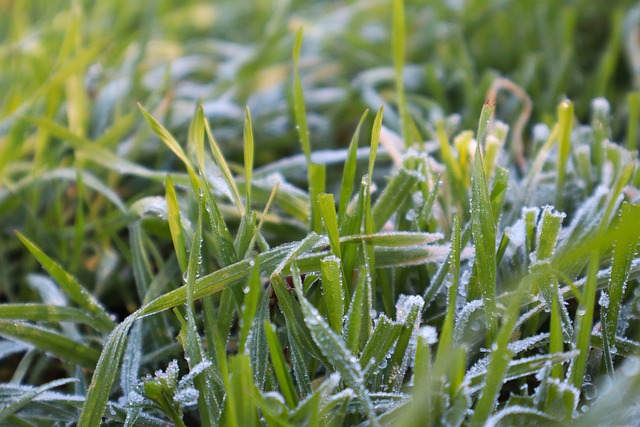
[405,304]
[428,335]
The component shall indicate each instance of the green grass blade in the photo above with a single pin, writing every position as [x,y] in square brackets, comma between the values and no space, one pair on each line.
[483,229]
[408,309]
[29,396]
[207,407]
[258,229]
[394,239]
[248,158]
[198,137]
[336,351]
[298,99]
[317,183]
[49,313]
[69,284]
[633,103]
[328,210]
[349,174]
[498,366]
[223,244]
[384,336]
[357,315]
[565,126]
[241,387]
[334,291]
[224,167]
[622,258]
[51,342]
[175,224]
[398,42]
[394,195]
[375,140]
[280,366]
[446,335]
[299,335]
[250,305]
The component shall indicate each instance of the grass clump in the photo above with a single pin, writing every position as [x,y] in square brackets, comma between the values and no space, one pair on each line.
[453,270]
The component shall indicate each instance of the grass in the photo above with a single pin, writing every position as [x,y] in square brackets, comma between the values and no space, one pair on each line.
[168,255]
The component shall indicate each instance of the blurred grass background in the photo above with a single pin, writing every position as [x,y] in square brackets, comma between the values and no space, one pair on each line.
[73,71]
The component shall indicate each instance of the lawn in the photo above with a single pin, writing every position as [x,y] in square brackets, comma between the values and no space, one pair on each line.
[286,212]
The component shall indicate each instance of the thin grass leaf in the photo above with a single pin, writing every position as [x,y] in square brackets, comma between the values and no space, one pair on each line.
[317,185]
[298,99]
[384,336]
[280,366]
[207,405]
[69,284]
[375,140]
[222,164]
[299,335]
[175,224]
[446,335]
[248,158]
[51,342]
[394,195]
[258,229]
[198,137]
[330,221]
[499,364]
[349,174]
[398,48]
[250,305]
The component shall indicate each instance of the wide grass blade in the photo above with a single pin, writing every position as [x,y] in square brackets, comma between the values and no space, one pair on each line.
[565,126]
[484,231]
[49,313]
[334,292]
[51,342]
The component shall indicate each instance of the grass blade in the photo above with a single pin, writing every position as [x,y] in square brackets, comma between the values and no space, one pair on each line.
[49,313]
[280,366]
[248,158]
[565,126]
[69,284]
[328,211]
[51,342]
[336,351]
[349,174]
[175,224]
[334,292]
[298,100]
[483,229]
[29,396]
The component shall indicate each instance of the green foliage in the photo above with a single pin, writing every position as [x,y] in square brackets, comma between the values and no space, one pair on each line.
[437,275]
